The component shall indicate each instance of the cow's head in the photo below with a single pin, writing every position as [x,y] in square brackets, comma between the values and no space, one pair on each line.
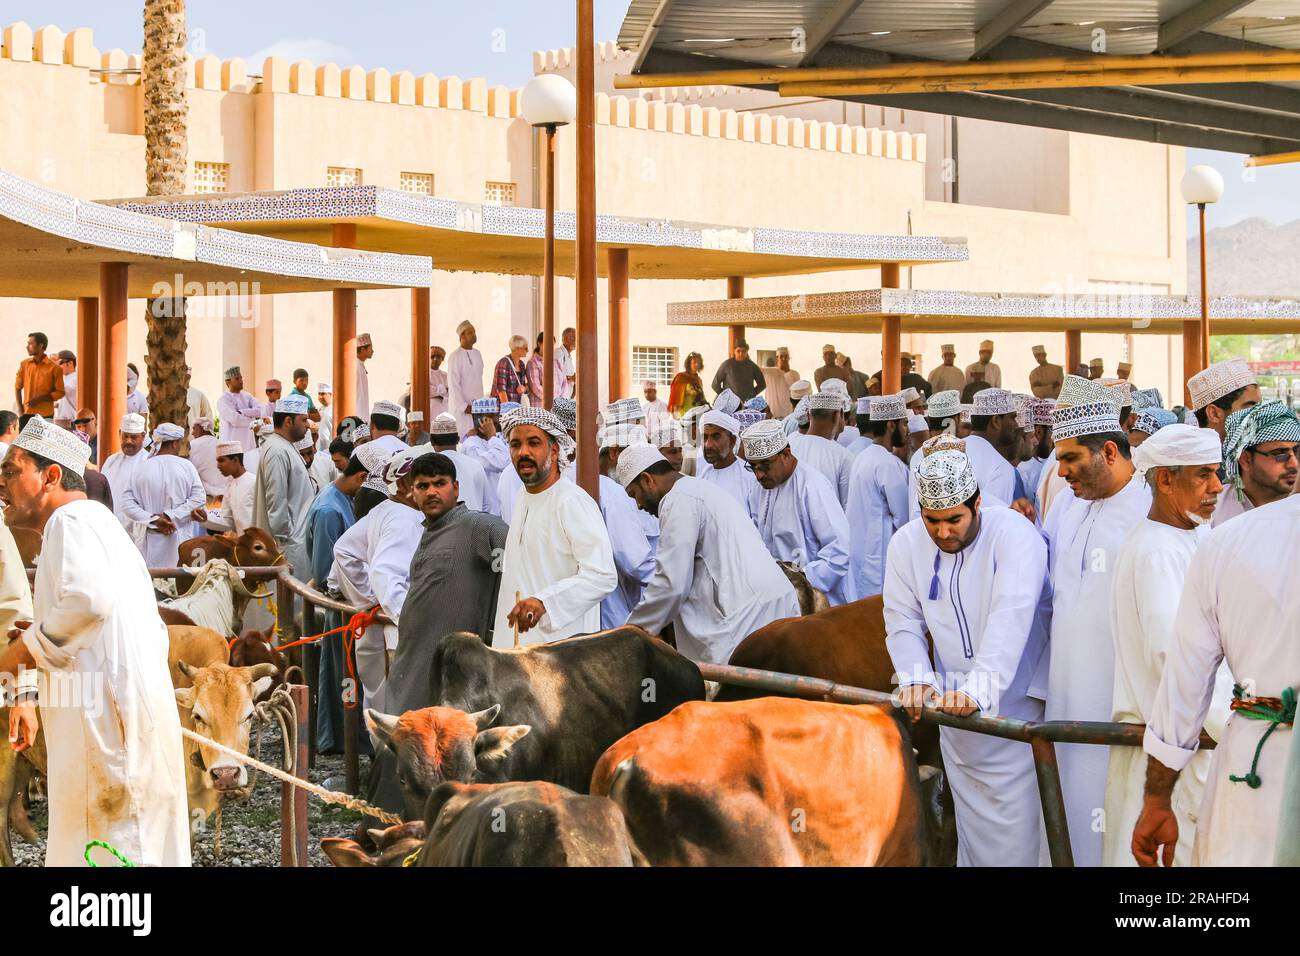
[255,548]
[220,704]
[437,744]
[393,846]
[811,600]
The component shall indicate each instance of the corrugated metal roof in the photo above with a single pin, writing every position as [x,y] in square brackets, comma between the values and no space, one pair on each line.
[698,35]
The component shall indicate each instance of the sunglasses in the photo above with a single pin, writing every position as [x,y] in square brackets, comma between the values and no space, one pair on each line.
[1281,455]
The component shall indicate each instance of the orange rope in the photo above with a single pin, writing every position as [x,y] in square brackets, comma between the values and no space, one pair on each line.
[353,630]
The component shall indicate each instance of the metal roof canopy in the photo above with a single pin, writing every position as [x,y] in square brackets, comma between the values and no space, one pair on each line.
[697,36]
[53,244]
[945,311]
[462,236]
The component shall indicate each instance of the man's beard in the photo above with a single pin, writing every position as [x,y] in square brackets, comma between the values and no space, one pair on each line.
[541,472]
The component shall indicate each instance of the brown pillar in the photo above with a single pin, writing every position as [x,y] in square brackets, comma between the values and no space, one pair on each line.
[548,276]
[588,376]
[620,348]
[420,352]
[111,404]
[735,333]
[891,337]
[1192,352]
[88,353]
[344,346]
[1073,350]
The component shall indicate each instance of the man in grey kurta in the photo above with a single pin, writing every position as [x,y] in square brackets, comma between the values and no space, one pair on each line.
[284,491]
[455,573]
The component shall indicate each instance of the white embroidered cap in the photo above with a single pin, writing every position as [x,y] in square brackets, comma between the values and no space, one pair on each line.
[392,409]
[624,410]
[622,434]
[132,424]
[484,406]
[306,441]
[444,424]
[826,402]
[800,388]
[667,432]
[944,480]
[945,404]
[728,401]
[227,448]
[994,401]
[1218,380]
[887,408]
[292,405]
[1077,390]
[764,439]
[916,424]
[44,438]
[1090,418]
[634,460]
[910,395]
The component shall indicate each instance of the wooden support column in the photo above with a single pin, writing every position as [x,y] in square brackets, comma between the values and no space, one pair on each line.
[735,333]
[1192,351]
[620,348]
[585,253]
[88,353]
[111,404]
[891,337]
[344,346]
[420,352]
[1073,350]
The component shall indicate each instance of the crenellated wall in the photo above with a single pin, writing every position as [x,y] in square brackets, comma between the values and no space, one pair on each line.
[706,154]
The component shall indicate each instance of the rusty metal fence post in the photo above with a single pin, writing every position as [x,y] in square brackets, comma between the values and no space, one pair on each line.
[293,800]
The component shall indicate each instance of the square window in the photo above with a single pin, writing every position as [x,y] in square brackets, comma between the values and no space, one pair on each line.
[211,177]
[419,183]
[498,194]
[655,363]
[342,176]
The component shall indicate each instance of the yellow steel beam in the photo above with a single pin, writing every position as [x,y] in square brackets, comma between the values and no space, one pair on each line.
[1047,81]
[931,68]
[1273,159]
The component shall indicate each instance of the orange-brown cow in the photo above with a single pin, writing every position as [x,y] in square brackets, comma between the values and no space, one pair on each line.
[253,548]
[769,782]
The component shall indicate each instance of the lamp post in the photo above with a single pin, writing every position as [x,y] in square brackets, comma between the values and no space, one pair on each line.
[549,101]
[1202,185]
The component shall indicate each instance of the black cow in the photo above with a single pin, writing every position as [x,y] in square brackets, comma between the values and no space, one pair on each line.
[575,697]
[521,823]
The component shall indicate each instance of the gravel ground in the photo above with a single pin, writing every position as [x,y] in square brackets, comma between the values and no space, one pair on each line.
[250,831]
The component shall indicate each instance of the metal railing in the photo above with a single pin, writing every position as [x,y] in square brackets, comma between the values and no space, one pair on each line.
[1042,736]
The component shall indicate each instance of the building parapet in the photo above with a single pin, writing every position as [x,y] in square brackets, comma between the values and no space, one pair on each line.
[50,45]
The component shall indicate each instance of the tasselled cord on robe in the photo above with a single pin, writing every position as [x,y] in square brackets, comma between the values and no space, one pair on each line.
[954,582]
[1273,709]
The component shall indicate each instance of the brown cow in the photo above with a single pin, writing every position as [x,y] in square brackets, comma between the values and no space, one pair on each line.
[255,647]
[253,548]
[520,823]
[215,700]
[770,782]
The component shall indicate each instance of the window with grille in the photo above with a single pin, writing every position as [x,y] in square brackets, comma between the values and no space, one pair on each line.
[655,363]
[342,176]
[419,183]
[211,177]
[498,194]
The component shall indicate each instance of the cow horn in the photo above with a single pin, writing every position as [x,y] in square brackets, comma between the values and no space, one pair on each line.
[484,719]
[381,725]
[265,669]
[186,669]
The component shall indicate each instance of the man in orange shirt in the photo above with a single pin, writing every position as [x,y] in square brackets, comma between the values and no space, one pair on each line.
[39,383]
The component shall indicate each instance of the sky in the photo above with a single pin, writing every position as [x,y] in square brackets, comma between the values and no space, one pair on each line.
[494,39]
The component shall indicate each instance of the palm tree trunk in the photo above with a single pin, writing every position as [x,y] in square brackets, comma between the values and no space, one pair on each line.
[166,150]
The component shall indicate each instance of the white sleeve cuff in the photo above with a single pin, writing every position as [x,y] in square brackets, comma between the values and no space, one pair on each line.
[1173,757]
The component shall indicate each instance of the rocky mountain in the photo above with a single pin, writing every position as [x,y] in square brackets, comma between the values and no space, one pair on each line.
[1251,257]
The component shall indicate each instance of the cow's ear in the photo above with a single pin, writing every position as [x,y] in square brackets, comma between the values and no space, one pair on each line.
[381,725]
[185,697]
[495,745]
[483,719]
[343,852]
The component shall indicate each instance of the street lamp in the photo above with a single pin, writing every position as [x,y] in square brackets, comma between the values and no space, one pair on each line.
[1202,185]
[548,101]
